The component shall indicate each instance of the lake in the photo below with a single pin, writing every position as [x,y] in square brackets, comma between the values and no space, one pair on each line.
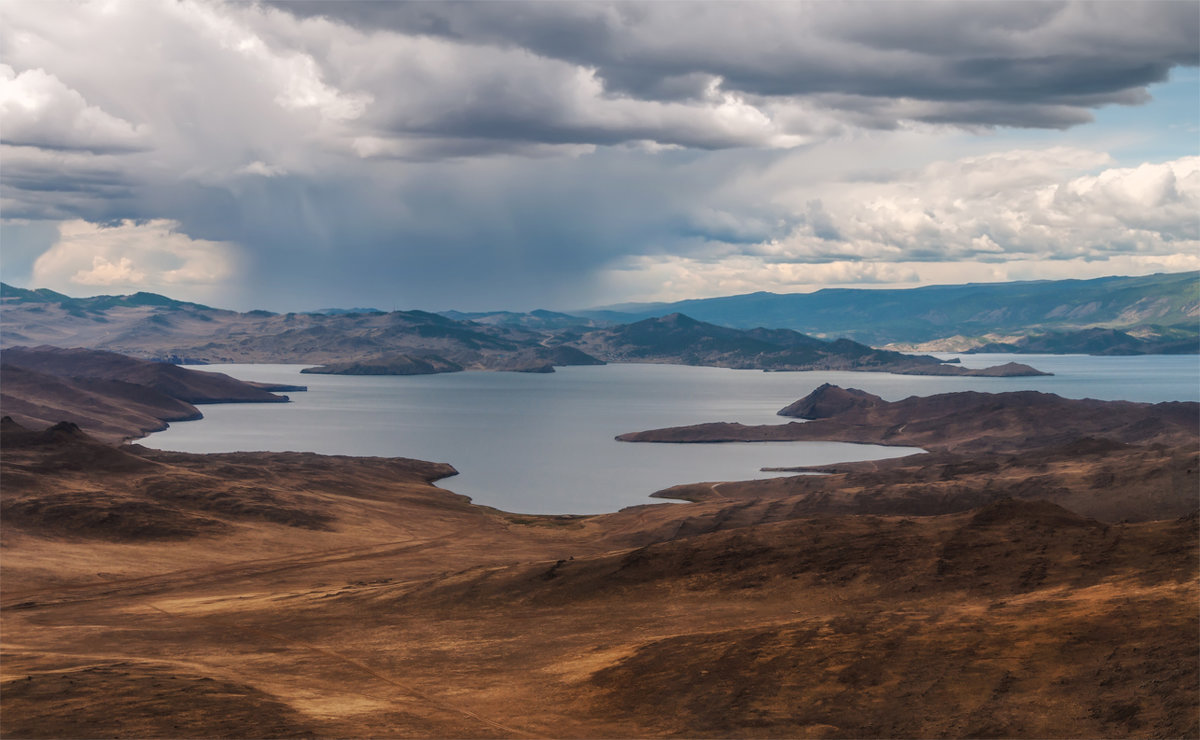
[536,443]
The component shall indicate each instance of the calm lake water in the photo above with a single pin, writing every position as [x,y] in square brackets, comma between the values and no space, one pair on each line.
[544,443]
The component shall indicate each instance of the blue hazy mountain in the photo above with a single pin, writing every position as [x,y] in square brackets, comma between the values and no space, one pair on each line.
[1154,305]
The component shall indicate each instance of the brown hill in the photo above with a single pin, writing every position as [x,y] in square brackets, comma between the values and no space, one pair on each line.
[829,400]
[162,495]
[110,409]
[110,395]
[192,386]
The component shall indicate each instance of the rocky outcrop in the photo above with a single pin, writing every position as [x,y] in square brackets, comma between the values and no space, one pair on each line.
[830,400]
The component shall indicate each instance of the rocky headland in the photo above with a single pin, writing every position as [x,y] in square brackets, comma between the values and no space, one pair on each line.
[112,396]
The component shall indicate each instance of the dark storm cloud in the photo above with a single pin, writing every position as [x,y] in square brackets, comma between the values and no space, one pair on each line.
[1041,57]
[477,235]
[992,113]
[43,184]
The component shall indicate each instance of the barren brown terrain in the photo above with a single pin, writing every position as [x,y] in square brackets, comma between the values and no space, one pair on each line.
[1045,588]
[114,397]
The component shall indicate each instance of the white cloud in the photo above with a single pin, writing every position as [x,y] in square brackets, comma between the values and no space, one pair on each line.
[211,87]
[296,76]
[37,109]
[129,256]
[104,272]
[1007,205]
[1008,215]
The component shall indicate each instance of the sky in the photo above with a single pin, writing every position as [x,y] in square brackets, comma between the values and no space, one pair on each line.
[563,155]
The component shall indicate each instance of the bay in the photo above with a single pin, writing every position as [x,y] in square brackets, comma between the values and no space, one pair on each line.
[536,443]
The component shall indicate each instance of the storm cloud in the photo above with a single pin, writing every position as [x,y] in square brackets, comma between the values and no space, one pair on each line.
[483,155]
[958,59]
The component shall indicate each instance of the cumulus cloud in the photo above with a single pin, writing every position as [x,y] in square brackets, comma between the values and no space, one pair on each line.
[296,76]
[1006,205]
[219,90]
[38,110]
[130,256]
[104,272]
[1010,215]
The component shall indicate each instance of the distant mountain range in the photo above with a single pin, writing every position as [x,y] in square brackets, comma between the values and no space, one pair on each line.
[678,339]
[1153,307]
[417,342]
[1156,314]
[153,326]
[1169,341]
